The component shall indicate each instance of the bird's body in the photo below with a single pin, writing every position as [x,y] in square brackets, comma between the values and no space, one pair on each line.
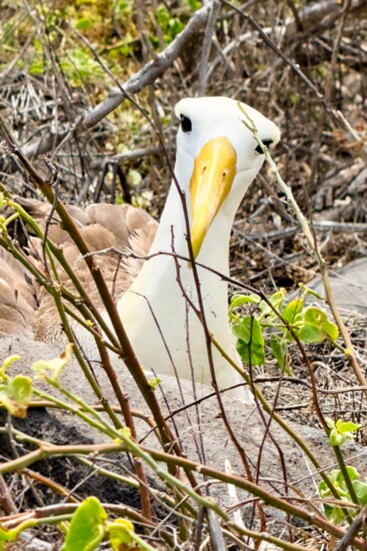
[217,159]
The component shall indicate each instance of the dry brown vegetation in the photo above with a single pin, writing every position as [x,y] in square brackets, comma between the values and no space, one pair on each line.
[87,92]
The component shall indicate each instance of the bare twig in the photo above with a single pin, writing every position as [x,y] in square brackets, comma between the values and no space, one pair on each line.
[205,53]
[147,75]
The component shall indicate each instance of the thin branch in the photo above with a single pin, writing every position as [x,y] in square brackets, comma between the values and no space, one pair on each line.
[146,76]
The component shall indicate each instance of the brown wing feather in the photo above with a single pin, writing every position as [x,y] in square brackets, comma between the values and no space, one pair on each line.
[17,297]
[108,231]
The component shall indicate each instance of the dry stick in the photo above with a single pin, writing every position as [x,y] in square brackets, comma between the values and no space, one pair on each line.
[54,486]
[328,97]
[126,351]
[146,76]
[55,293]
[124,402]
[7,503]
[46,515]
[260,396]
[208,38]
[267,425]
[358,523]
[333,114]
[12,521]
[314,247]
[152,456]
[200,311]
[246,377]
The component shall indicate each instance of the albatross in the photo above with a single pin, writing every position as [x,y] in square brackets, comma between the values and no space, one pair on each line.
[217,159]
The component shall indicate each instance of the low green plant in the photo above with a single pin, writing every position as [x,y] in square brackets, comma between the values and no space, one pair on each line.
[90,525]
[339,432]
[275,323]
[15,392]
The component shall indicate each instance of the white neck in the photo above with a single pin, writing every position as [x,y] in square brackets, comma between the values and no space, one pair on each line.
[172,232]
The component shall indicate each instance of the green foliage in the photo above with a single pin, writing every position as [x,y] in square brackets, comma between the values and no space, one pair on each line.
[316,327]
[87,527]
[153,383]
[309,324]
[79,66]
[12,535]
[109,26]
[120,533]
[340,431]
[52,368]
[250,341]
[170,26]
[194,4]
[15,392]
[90,525]
[334,512]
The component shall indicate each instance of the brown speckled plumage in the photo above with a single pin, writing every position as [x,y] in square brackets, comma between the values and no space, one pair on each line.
[107,230]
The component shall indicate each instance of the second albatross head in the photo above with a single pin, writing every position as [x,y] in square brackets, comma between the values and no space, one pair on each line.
[218,157]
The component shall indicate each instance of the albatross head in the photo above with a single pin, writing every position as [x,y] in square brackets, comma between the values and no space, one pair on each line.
[217,157]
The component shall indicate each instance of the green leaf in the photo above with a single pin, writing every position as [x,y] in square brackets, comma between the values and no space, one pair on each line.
[120,533]
[276,300]
[330,422]
[360,489]
[323,489]
[280,352]
[292,311]
[153,383]
[336,439]
[194,4]
[15,395]
[340,431]
[311,334]
[314,316]
[346,427]
[87,527]
[83,23]
[239,300]
[7,362]
[322,327]
[295,99]
[134,177]
[250,343]
[330,329]
[334,513]
[52,368]
[352,473]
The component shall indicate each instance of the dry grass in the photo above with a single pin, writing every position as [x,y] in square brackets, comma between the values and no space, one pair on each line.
[120,157]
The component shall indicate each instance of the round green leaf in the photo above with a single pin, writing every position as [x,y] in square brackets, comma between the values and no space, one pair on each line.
[292,310]
[87,527]
[311,334]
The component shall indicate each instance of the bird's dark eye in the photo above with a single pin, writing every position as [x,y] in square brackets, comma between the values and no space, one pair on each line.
[265,142]
[186,124]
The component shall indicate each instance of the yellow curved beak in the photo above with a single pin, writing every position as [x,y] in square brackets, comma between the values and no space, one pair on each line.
[211,181]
